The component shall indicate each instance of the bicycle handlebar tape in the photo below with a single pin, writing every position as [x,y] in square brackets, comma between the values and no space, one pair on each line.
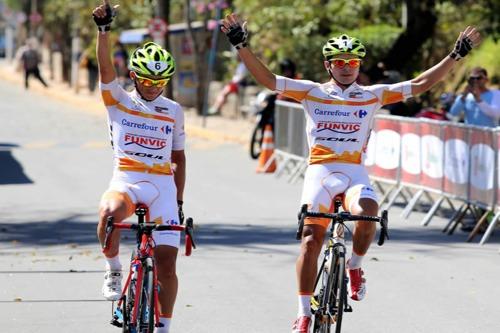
[267,160]
[188,244]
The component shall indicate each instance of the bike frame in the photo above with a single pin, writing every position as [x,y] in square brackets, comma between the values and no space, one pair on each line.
[145,250]
[336,248]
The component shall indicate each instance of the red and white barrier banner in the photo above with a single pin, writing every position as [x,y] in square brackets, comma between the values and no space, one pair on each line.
[482,173]
[387,149]
[432,150]
[410,152]
[456,160]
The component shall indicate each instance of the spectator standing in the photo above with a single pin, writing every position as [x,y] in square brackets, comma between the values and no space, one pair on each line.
[480,105]
[31,59]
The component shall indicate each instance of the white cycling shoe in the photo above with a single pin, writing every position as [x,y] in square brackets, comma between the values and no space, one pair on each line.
[112,286]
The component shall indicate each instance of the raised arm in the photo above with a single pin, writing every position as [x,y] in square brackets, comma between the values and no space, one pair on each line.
[237,34]
[103,16]
[467,39]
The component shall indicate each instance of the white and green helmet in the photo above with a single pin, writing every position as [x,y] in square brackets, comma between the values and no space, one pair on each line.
[343,44]
[152,59]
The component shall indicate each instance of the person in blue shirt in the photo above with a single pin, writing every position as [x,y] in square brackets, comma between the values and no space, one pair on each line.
[480,105]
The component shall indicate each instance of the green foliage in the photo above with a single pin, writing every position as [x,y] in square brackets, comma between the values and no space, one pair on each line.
[291,29]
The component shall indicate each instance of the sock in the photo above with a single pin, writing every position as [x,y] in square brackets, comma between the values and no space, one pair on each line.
[166,325]
[113,263]
[355,261]
[304,305]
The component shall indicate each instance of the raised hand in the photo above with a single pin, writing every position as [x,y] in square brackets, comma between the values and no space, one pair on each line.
[467,39]
[235,30]
[103,15]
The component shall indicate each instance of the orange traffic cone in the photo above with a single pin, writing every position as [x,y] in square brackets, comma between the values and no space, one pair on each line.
[267,162]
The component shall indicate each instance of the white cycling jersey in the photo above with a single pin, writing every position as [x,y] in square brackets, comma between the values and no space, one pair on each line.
[338,126]
[143,135]
[338,123]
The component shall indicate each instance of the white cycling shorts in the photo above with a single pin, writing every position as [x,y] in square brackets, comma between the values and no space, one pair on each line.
[157,192]
[323,182]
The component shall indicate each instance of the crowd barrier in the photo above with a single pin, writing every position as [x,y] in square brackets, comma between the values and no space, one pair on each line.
[412,159]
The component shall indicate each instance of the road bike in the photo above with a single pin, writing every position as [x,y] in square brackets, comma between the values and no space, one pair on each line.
[329,300]
[137,309]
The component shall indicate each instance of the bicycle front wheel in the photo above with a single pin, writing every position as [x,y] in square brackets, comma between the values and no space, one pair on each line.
[146,318]
[338,294]
[322,315]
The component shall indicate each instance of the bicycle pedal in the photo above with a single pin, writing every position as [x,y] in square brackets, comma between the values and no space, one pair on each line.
[348,308]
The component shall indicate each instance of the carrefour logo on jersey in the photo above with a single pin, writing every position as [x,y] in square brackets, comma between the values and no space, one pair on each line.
[143,126]
[336,113]
[360,113]
[144,141]
[166,129]
[345,128]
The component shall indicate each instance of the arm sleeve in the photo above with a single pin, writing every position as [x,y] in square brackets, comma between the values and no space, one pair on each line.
[295,89]
[112,93]
[457,107]
[492,109]
[179,137]
[393,93]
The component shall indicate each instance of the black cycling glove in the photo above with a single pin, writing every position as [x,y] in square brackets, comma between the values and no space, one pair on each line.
[462,48]
[238,36]
[180,211]
[104,23]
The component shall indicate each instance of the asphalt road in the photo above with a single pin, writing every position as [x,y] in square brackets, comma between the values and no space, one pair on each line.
[55,163]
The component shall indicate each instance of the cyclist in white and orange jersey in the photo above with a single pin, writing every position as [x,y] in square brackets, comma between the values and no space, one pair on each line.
[147,135]
[339,116]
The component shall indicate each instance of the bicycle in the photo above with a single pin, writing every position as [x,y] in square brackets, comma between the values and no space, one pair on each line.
[136,311]
[329,300]
[263,107]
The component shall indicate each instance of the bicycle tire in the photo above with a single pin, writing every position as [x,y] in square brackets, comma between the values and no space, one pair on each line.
[339,291]
[322,324]
[145,317]
[128,304]
[256,142]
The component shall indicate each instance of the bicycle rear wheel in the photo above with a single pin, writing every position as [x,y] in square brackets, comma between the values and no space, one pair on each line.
[256,141]
[146,318]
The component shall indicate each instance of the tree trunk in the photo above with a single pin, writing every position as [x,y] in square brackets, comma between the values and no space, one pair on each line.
[421,24]
[164,13]
[199,61]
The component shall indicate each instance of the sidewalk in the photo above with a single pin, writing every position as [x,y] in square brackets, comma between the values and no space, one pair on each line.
[217,128]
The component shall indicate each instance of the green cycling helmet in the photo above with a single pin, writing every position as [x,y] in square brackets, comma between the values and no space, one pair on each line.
[343,44]
[152,59]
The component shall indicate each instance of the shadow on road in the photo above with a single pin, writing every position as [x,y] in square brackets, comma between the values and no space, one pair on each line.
[77,229]
[11,171]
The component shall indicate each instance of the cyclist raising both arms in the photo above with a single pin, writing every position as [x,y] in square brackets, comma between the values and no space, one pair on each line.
[339,116]
[147,135]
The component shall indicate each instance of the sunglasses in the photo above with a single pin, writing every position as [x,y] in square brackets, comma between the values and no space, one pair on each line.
[147,82]
[340,63]
[475,78]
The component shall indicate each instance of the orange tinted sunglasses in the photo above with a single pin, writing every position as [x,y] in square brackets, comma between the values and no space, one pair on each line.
[340,63]
[147,82]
